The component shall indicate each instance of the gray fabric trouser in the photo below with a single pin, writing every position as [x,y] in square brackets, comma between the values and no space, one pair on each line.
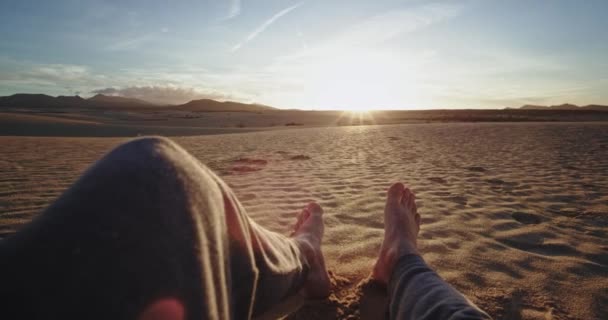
[148,221]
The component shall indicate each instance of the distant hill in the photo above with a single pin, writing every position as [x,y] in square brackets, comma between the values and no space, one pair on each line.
[595,107]
[208,105]
[26,100]
[38,101]
[101,100]
[565,106]
[33,101]
[533,107]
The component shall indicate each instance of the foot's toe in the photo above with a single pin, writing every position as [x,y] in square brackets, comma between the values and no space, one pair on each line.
[314,208]
[165,309]
[302,216]
[408,198]
[395,192]
[310,222]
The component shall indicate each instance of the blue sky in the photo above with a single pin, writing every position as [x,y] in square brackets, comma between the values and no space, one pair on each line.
[311,54]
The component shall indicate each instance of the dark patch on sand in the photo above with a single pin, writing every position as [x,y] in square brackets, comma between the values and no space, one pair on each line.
[250,161]
[244,169]
[300,157]
[245,165]
[438,180]
[458,199]
[526,218]
[495,181]
[476,169]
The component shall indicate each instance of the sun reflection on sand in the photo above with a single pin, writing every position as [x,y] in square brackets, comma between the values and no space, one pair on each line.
[355,117]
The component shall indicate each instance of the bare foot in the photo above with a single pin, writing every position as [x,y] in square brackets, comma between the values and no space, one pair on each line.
[401,227]
[164,309]
[308,233]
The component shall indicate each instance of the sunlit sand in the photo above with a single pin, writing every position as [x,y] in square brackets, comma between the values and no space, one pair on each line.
[514,215]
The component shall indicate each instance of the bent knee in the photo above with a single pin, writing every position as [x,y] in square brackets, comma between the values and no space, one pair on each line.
[151,156]
[148,146]
[146,151]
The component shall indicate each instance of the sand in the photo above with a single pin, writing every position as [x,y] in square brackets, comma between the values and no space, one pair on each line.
[100,122]
[515,215]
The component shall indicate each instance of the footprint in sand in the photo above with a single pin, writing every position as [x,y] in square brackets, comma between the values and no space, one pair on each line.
[438,180]
[250,161]
[440,193]
[458,199]
[495,181]
[476,169]
[300,157]
[526,218]
[244,165]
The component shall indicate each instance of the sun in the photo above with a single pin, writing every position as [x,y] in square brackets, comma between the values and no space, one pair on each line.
[348,92]
[358,82]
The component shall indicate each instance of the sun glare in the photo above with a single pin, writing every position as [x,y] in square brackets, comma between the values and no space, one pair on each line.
[360,82]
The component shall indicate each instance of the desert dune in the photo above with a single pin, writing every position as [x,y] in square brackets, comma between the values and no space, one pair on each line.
[514,215]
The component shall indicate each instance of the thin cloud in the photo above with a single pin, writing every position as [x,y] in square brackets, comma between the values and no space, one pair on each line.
[234,10]
[130,43]
[51,75]
[384,27]
[373,32]
[393,23]
[264,26]
[162,94]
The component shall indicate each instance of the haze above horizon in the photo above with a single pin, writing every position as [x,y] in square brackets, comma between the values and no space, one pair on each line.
[354,55]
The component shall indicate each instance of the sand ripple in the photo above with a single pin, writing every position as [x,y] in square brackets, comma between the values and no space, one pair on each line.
[515,215]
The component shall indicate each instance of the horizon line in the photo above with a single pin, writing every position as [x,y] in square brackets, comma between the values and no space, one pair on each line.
[373,109]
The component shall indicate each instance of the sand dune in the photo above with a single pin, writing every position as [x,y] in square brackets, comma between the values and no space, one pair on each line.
[514,215]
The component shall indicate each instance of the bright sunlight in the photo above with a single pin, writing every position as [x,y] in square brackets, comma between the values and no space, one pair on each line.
[362,81]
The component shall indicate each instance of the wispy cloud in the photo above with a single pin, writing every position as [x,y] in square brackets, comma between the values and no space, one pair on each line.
[372,33]
[130,43]
[264,26]
[169,86]
[234,9]
[163,94]
[393,23]
[51,74]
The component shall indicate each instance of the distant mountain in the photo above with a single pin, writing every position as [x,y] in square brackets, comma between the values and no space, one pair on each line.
[208,105]
[533,107]
[595,107]
[565,106]
[26,100]
[101,100]
[71,101]
[37,101]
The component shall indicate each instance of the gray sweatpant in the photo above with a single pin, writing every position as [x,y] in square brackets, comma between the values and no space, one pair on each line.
[148,221]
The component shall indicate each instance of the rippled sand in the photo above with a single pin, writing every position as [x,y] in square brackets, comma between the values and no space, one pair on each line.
[514,215]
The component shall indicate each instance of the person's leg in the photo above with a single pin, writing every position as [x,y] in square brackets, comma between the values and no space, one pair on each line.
[415,290]
[149,223]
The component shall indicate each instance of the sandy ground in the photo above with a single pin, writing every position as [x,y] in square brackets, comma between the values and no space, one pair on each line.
[515,215]
[74,122]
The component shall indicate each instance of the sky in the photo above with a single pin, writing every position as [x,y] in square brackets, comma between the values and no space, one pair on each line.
[325,54]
